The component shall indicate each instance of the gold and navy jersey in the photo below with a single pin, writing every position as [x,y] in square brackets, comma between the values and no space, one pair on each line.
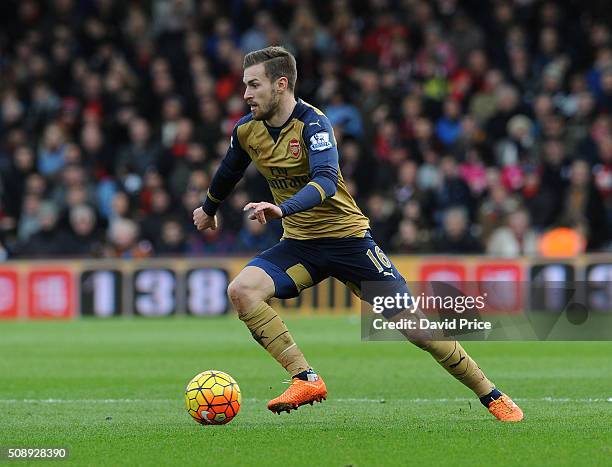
[300,162]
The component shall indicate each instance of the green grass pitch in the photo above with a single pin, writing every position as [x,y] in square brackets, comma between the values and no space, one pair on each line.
[112,392]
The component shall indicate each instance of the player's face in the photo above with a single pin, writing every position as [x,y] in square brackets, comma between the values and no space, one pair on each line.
[260,94]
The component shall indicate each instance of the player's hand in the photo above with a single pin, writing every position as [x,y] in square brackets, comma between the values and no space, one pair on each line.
[203,221]
[263,212]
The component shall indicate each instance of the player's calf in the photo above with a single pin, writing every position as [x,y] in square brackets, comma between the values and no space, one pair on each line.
[453,357]
[248,293]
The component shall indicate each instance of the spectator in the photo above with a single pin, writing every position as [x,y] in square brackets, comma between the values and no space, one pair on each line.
[496,206]
[418,213]
[209,128]
[380,211]
[514,239]
[428,175]
[120,206]
[448,128]
[98,157]
[474,173]
[213,242]
[507,106]
[195,159]
[171,240]
[233,213]
[356,168]
[406,186]
[85,237]
[455,237]
[540,200]
[12,109]
[603,178]
[29,222]
[483,104]
[604,99]
[124,241]
[345,115]
[516,147]
[257,36]
[143,99]
[583,204]
[579,123]
[140,154]
[172,112]
[73,178]
[161,208]
[410,240]
[452,191]
[14,180]
[255,237]
[52,151]
[48,240]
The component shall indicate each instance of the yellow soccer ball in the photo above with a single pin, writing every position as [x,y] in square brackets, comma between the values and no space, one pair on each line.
[212,398]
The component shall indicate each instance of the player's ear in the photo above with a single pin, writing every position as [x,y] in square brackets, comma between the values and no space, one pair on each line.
[282,84]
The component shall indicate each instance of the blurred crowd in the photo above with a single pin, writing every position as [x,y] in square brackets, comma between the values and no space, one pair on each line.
[463,126]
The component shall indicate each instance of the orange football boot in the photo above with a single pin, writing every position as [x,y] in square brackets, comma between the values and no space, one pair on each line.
[300,392]
[505,410]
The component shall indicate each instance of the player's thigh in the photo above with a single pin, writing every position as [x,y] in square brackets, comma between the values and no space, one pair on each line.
[359,260]
[292,265]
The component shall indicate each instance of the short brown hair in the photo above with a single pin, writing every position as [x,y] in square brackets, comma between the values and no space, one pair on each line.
[278,62]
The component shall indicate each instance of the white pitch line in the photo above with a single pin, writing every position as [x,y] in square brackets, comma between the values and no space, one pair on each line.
[81,401]
[340,400]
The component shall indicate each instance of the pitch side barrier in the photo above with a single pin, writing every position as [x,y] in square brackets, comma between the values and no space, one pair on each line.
[66,289]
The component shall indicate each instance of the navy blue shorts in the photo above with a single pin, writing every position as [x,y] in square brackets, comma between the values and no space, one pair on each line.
[295,265]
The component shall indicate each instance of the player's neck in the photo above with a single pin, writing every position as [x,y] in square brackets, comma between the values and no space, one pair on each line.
[285,109]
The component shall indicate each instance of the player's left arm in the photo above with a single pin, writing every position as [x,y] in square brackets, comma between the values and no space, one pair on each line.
[323,161]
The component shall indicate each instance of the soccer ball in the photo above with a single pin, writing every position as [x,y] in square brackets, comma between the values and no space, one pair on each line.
[212,398]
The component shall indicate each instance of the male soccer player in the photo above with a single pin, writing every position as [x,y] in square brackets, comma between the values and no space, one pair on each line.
[325,234]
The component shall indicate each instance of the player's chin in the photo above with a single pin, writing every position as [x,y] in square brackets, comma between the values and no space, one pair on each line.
[258,114]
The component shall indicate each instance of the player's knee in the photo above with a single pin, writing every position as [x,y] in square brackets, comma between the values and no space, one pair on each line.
[243,296]
[238,294]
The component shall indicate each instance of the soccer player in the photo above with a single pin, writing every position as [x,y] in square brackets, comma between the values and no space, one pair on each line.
[325,234]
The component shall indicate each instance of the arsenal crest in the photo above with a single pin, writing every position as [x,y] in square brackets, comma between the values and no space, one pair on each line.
[294,148]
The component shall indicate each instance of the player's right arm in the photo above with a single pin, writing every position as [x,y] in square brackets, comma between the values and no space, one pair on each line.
[229,173]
